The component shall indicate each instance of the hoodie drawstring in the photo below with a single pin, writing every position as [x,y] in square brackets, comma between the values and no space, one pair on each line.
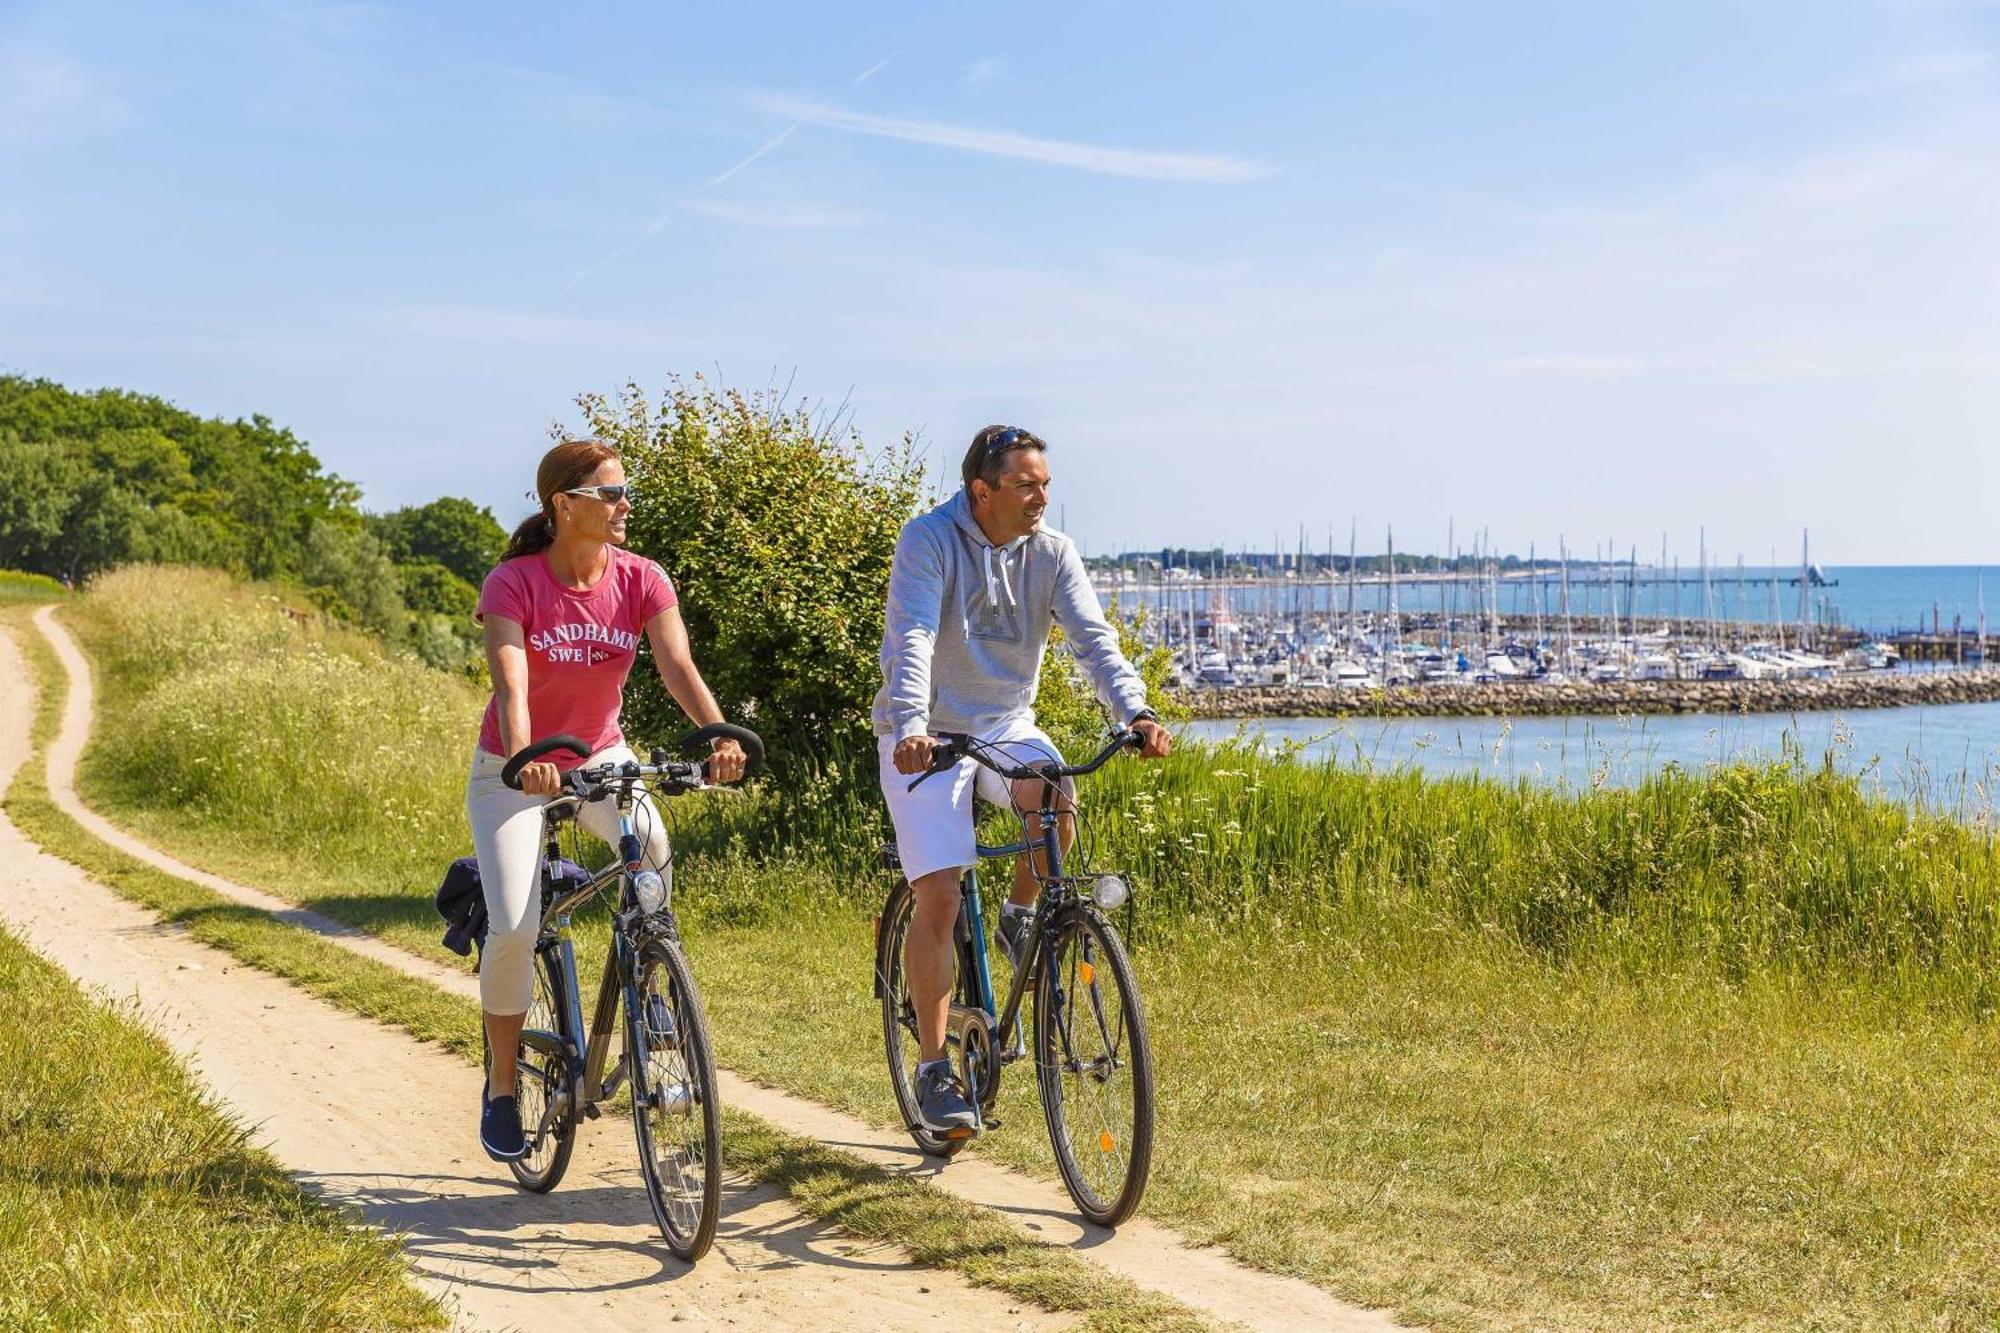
[993,592]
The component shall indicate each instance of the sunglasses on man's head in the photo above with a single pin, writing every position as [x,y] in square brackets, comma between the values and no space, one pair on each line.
[998,444]
[611,495]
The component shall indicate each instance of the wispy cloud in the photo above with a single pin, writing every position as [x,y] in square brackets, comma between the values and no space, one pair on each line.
[873,70]
[1195,167]
[783,217]
[47,98]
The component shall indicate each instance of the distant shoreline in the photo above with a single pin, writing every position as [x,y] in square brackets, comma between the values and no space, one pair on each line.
[1870,690]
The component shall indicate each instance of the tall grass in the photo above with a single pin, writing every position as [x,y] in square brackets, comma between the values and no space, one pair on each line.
[240,708]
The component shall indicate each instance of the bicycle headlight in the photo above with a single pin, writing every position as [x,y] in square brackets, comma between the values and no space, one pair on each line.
[1111,892]
[650,890]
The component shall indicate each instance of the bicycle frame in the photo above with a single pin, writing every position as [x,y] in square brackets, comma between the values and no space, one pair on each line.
[1053,904]
[617,982]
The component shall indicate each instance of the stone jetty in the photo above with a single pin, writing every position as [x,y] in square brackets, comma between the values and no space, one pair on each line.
[1878,689]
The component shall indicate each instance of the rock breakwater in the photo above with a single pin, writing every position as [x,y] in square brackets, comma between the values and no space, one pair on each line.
[1870,690]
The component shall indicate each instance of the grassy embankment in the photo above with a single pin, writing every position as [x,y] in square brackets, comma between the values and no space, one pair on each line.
[18,587]
[934,1228]
[1717,1051]
[130,1201]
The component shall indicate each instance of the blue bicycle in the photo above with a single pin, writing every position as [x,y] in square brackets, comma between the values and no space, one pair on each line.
[1093,1061]
[666,1060]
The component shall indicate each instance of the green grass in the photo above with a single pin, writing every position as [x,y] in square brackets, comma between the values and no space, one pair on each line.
[129,1200]
[1715,1052]
[16,586]
[934,1227]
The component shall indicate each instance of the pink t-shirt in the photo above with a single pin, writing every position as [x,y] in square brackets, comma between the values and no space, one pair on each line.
[580,644]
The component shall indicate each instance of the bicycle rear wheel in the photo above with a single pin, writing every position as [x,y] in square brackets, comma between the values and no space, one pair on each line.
[1095,1066]
[676,1114]
[542,1078]
[899,1019]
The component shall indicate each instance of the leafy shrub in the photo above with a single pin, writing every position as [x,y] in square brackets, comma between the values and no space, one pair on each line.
[778,533]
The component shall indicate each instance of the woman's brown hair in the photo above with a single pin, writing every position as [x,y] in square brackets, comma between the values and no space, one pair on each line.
[563,468]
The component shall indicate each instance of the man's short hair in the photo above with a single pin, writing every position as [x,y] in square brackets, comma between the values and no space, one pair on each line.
[988,454]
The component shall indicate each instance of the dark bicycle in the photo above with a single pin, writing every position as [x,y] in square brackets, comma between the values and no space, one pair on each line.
[1093,1061]
[667,1060]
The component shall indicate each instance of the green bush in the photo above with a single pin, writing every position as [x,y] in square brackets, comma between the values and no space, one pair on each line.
[778,534]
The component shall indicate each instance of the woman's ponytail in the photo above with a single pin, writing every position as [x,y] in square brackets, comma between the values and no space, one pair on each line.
[536,533]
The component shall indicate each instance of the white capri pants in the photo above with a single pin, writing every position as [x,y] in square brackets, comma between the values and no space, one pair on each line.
[507,837]
[934,823]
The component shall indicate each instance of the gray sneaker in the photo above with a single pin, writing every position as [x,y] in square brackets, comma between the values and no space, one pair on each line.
[941,1103]
[1011,934]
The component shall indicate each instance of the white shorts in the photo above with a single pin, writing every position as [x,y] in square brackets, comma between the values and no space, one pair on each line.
[934,823]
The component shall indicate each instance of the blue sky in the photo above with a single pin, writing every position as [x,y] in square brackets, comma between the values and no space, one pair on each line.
[1599,271]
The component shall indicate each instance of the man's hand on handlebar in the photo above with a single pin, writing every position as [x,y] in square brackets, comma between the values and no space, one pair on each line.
[1156,742]
[726,761]
[541,778]
[913,754]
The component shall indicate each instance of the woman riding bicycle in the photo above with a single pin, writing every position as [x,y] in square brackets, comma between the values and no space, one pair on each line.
[563,613]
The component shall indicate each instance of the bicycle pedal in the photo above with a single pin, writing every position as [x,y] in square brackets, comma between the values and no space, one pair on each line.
[590,1112]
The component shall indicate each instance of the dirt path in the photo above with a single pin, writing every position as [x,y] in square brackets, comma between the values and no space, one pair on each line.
[364,1116]
[1150,1255]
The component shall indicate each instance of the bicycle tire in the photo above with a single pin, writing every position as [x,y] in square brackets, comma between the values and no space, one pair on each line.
[674,1100]
[541,1074]
[899,1020]
[1107,1175]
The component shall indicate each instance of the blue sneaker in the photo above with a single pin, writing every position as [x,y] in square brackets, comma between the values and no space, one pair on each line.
[500,1129]
[941,1103]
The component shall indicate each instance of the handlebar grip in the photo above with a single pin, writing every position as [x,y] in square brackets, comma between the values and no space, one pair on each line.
[528,754]
[950,748]
[695,742]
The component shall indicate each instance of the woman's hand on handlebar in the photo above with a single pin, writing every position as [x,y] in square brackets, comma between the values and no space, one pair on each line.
[541,778]
[1156,742]
[726,761]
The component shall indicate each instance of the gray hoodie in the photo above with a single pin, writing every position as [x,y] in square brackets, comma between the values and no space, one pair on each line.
[969,621]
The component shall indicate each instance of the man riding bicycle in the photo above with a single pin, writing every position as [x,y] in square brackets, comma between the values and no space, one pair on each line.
[974,587]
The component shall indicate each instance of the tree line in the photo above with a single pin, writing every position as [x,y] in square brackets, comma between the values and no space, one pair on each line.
[93,480]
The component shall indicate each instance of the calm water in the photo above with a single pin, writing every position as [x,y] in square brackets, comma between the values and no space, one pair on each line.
[1878,598]
[1944,757]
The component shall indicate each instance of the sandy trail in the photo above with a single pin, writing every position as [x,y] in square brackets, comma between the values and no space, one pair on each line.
[364,1116]
[1151,1255]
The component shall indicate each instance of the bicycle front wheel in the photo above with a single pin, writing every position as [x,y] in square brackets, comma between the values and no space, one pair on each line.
[676,1114]
[1095,1066]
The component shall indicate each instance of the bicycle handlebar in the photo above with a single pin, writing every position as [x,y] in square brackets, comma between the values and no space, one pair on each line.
[958,745]
[685,774]
[528,754]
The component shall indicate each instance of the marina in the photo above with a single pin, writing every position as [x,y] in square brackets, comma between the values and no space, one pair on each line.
[1303,624]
